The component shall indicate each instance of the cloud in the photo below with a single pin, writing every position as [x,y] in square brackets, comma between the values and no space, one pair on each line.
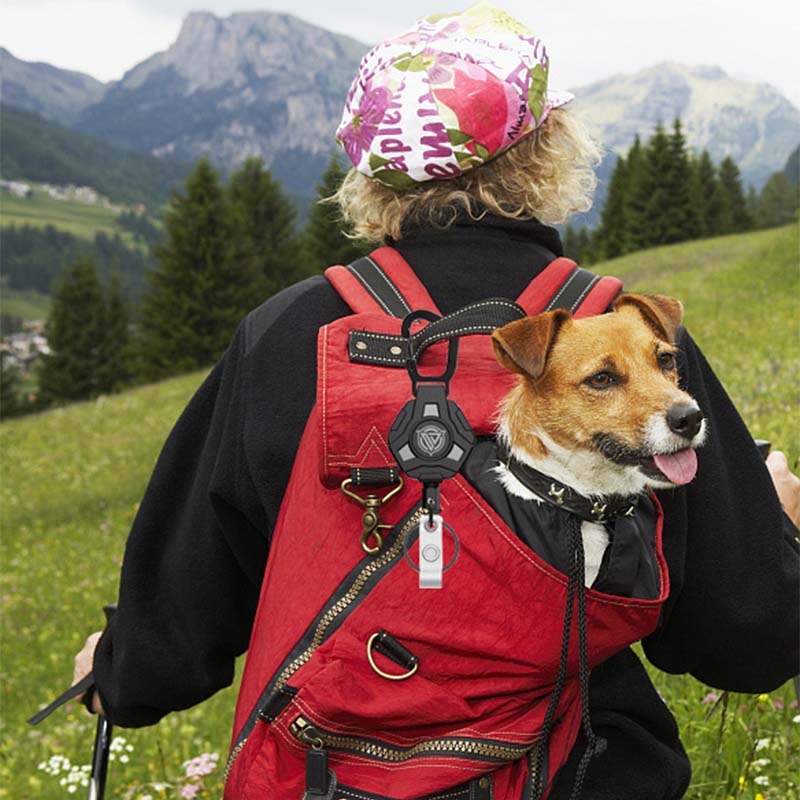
[587,42]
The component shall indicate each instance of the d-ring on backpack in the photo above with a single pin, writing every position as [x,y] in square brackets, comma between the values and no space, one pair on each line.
[358,685]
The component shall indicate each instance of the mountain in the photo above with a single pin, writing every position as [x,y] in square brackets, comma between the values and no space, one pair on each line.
[269,84]
[751,122]
[256,83]
[38,150]
[54,93]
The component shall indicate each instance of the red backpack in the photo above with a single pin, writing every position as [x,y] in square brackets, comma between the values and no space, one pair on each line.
[360,686]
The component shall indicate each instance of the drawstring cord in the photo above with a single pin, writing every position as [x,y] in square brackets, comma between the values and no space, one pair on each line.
[595,745]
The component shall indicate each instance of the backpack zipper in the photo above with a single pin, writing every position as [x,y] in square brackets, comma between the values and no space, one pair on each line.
[322,626]
[485,750]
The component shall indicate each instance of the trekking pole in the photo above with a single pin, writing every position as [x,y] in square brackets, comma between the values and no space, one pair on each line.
[102,739]
[102,747]
[102,742]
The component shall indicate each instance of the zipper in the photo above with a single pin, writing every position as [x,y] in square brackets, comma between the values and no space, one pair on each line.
[485,750]
[322,629]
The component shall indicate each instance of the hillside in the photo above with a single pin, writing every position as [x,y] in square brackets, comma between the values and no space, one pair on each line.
[72,479]
[35,149]
[57,94]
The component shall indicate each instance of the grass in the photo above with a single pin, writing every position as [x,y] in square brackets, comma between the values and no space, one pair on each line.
[79,219]
[25,303]
[72,479]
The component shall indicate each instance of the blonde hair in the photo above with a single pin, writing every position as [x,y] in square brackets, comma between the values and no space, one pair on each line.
[549,175]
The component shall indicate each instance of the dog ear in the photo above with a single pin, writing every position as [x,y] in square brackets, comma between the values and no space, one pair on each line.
[663,314]
[523,346]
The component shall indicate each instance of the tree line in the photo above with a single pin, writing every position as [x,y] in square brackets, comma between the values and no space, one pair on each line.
[226,247]
[661,193]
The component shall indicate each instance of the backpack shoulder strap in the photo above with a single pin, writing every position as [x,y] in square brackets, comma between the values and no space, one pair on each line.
[563,284]
[381,282]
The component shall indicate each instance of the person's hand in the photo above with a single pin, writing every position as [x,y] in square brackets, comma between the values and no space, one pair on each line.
[787,485]
[84,662]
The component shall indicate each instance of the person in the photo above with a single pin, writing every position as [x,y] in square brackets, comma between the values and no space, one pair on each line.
[472,213]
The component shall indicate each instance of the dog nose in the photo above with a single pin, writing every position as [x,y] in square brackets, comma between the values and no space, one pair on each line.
[685,420]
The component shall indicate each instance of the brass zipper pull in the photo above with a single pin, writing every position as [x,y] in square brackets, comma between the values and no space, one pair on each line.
[320,779]
[303,730]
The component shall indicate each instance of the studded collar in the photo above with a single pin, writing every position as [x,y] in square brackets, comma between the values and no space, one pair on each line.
[592,509]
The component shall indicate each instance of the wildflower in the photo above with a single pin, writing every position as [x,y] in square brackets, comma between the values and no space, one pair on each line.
[777,705]
[710,698]
[796,719]
[742,782]
[760,763]
[190,791]
[763,698]
[761,744]
[761,780]
[759,796]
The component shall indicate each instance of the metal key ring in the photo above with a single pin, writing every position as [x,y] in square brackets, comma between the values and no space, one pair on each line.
[411,539]
[380,672]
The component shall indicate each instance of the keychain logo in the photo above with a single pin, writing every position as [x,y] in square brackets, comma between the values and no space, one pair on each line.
[431,439]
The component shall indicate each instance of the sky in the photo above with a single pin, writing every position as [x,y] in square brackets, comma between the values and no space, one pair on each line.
[587,40]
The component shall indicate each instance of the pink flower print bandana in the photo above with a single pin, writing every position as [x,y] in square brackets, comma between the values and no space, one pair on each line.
[447,96]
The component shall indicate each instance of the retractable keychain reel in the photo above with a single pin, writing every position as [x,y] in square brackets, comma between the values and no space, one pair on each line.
[430,440]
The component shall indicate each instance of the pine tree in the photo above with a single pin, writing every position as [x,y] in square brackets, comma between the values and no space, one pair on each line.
[657,205]
[640,188]
[681,213]
[778,203]
[612,236]
[262,223]
[10,403]
[323,238]
[733,207]
[708,195]
[74,332]
[198,291]
[752,204]
[115,368]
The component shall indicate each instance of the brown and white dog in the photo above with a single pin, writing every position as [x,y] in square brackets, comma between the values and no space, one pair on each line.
[598,406]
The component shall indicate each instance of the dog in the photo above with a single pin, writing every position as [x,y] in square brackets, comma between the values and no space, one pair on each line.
[598,406]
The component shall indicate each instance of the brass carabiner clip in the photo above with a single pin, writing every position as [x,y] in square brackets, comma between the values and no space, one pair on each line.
[371,525]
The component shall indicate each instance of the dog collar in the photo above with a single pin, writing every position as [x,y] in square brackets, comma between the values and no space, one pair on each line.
[558,494]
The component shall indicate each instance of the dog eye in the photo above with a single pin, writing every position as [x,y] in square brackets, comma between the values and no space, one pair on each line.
[602,380]
[666,361]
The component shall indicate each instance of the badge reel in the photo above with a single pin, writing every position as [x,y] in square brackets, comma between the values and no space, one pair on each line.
[430,440]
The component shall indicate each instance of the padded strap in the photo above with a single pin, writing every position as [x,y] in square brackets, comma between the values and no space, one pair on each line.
[381,282]
[563,284]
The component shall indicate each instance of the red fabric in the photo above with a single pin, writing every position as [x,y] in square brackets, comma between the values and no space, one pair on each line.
[351,290]
[544,286]
[488,643]
[599,298]
[406,280]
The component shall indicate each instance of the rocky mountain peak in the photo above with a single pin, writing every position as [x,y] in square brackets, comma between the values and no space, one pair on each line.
[751,122]
[213,51]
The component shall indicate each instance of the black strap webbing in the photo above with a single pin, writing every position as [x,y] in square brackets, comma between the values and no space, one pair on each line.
[81,686]
[388,350]
[370,275]
[574,290]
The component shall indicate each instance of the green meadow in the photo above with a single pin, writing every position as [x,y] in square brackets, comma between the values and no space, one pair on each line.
[25,303]
[79,219]
[72,479]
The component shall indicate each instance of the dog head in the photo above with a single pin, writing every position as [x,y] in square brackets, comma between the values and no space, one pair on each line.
[598,405]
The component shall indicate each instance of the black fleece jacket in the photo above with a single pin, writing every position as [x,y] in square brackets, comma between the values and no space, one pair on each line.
[199,544]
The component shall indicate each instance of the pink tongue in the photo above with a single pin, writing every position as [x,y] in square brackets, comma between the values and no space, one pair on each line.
[679,467]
